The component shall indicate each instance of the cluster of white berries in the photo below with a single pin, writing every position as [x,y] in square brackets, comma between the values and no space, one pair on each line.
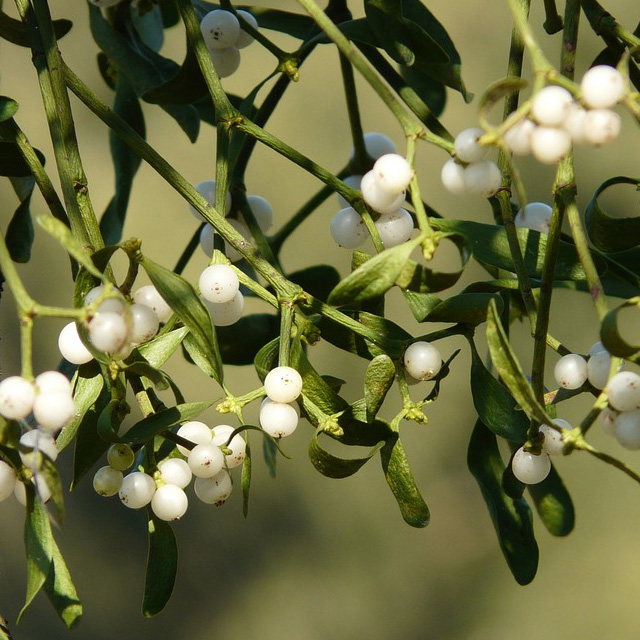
[384,190]
[557,121]
[470,172]
[49,399]
[220,288]
[209,461]
[117,326]
[224,38]
[279,413]
[422,361]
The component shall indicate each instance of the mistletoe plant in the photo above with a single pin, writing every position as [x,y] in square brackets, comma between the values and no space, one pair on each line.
[120,334]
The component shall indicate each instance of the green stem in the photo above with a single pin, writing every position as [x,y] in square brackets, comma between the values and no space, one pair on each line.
[604,24]
[609,460]
[26,346]
[540,64]
[286,322]
[185,256]
[361,160]
[418,205]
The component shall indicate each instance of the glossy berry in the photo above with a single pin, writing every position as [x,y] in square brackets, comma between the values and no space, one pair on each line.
[518,137]
[352,181]
[7,480]
[262,212]
[43,493]
[175,471]
[348,229]
[225,61]
[278,419]
[169,502]
[601,126]
[283,384]
[466,145]
[107,481]
[238,446]
[17,395]
[392,173]
[394,228]
[207,234]
[194,431]
[549,144]
[378,198]
[71,346]
[39,442]
[575,124]
[108,332]
[602,87]
[53,409]
[205,460]
[214,490]
[553,442]
[422,360]
[207,189]
[596,347]
[530,468]
[245,39]
[482,178]
[571,371]
[219,283]
[53,381]
[120,456]
[144,323]
[623,390]
[452,176]
[220,29]
[227,313]
[150,297]
[627,429]
[551,105]
[243,230]
[607,421]
[137,490]
[598,367]
[535,215]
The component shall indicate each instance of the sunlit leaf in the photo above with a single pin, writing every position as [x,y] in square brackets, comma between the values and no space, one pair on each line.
[61,591]
[378,379]
[553,504]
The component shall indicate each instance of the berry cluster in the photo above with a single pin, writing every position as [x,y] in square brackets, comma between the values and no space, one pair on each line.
[224,37]
[279,413]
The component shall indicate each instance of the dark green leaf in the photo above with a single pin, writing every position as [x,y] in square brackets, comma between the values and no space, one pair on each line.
[398,474]
[140,368]
[266,357]
[241,342]
[8,108]
[374,277]
[125,161]
[511,518]
[386,22]
[50,474]
[196,356]
[15,31]
[61,591]
[610,335]
[170,13]
[294,24]
[318,280]
[607,233]
[110,419]
[11,161]
[185,302]
[38,543]
[377,382]
[149,27]
[509,368]
[430,90]
[495,405]
[553,504]
[332,466]
[269,452]
[497,92]
[20,233]
[162,566]
[156,423]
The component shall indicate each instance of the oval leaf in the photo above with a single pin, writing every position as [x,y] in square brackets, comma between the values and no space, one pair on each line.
[377,381]
[162,566]
[553,504]
[332,466]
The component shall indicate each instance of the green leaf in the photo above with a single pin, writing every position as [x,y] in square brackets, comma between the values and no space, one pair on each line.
[61,591]
[607,233]
[197,356]
[495,405]
[20,232]
[73,247]
[110,420]
[156,423]
[185,302]
[610,335]
[15,31]
[162,566]
[509,368]
[149,26]
[294,24]
[374,277]
[397,472]
[377,381]
[553,504]
[430,90]
[157,351]
[497,92]
[38,542]
[318,280]
[464,308]
[8,108]
[241,342]
[332,466]
[12,162]
[385,19]
[511,518]
[125,161]
[266,357]
[89,446]
[50,474]
[158,378]
[269,452]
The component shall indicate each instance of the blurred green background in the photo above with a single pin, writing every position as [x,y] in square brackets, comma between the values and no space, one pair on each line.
[319,558]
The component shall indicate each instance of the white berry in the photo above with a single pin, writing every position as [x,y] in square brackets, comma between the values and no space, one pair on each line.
[205,460]
[214,490]
[530,468]
[422,360]
[194,431]
[394,228]
[602,87]
[452,176]
[378,198]
[220,29]
[283,384]
[38,441]
[108,332]
[150,297]
[352,181]
[377,145]
[553,442]
[144,323]
[237,445]
[571,371]
[53,409]
[549,145]
[71,346]
[598,367]
[278,419]
[219,283]
[53,381]
[575,124]
[607,421]
[535,215]
[601,126]
[207,189]
[226,313]
[482,178]
[175,471]
[551,105]
[262,212]
[43,493]
[348,229]
[169,502]
[207,234]
[518,137]
[623,390]
[17,395]
[392,173]
[627,429]
[245,39]
[7,480]
[225,61]
[466,145]
[137,490]
[107,481]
